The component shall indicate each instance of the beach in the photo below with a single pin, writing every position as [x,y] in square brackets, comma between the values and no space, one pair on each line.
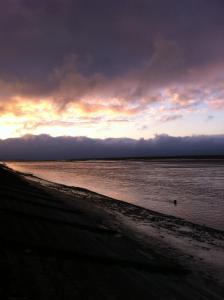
[60,242]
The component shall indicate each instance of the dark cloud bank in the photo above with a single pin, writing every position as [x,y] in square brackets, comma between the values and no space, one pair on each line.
[44,147]
[67,50]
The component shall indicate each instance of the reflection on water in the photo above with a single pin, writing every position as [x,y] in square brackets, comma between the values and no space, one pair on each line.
[193,190]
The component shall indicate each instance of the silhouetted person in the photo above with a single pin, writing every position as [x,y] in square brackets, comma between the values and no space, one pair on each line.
[175,202]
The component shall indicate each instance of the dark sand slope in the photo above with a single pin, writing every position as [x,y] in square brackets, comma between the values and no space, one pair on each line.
[58,245]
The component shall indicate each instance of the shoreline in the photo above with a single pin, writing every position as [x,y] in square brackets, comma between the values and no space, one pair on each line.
[190,198]
[142,223]
[103,197]
[177,243]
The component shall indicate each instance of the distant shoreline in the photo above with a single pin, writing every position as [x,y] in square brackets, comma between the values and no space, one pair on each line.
[184,157]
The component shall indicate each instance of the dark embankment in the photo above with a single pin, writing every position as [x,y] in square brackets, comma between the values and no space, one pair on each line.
[55,248]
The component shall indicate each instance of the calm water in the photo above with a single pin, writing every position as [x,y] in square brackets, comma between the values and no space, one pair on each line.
[198,187]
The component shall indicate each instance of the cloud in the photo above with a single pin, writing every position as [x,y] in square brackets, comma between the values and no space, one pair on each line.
[113,59]
[129,94]
[46,147]
[217,103]
[210,117]
[168,118]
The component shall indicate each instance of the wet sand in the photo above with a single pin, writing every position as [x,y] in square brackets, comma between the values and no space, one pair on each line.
[59,242]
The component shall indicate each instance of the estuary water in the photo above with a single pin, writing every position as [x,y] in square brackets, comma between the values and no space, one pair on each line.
[189,189]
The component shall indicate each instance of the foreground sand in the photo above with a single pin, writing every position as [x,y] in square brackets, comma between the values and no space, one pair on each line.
[69,243]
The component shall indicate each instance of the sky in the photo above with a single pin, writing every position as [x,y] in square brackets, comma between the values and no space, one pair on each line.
[103,68]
